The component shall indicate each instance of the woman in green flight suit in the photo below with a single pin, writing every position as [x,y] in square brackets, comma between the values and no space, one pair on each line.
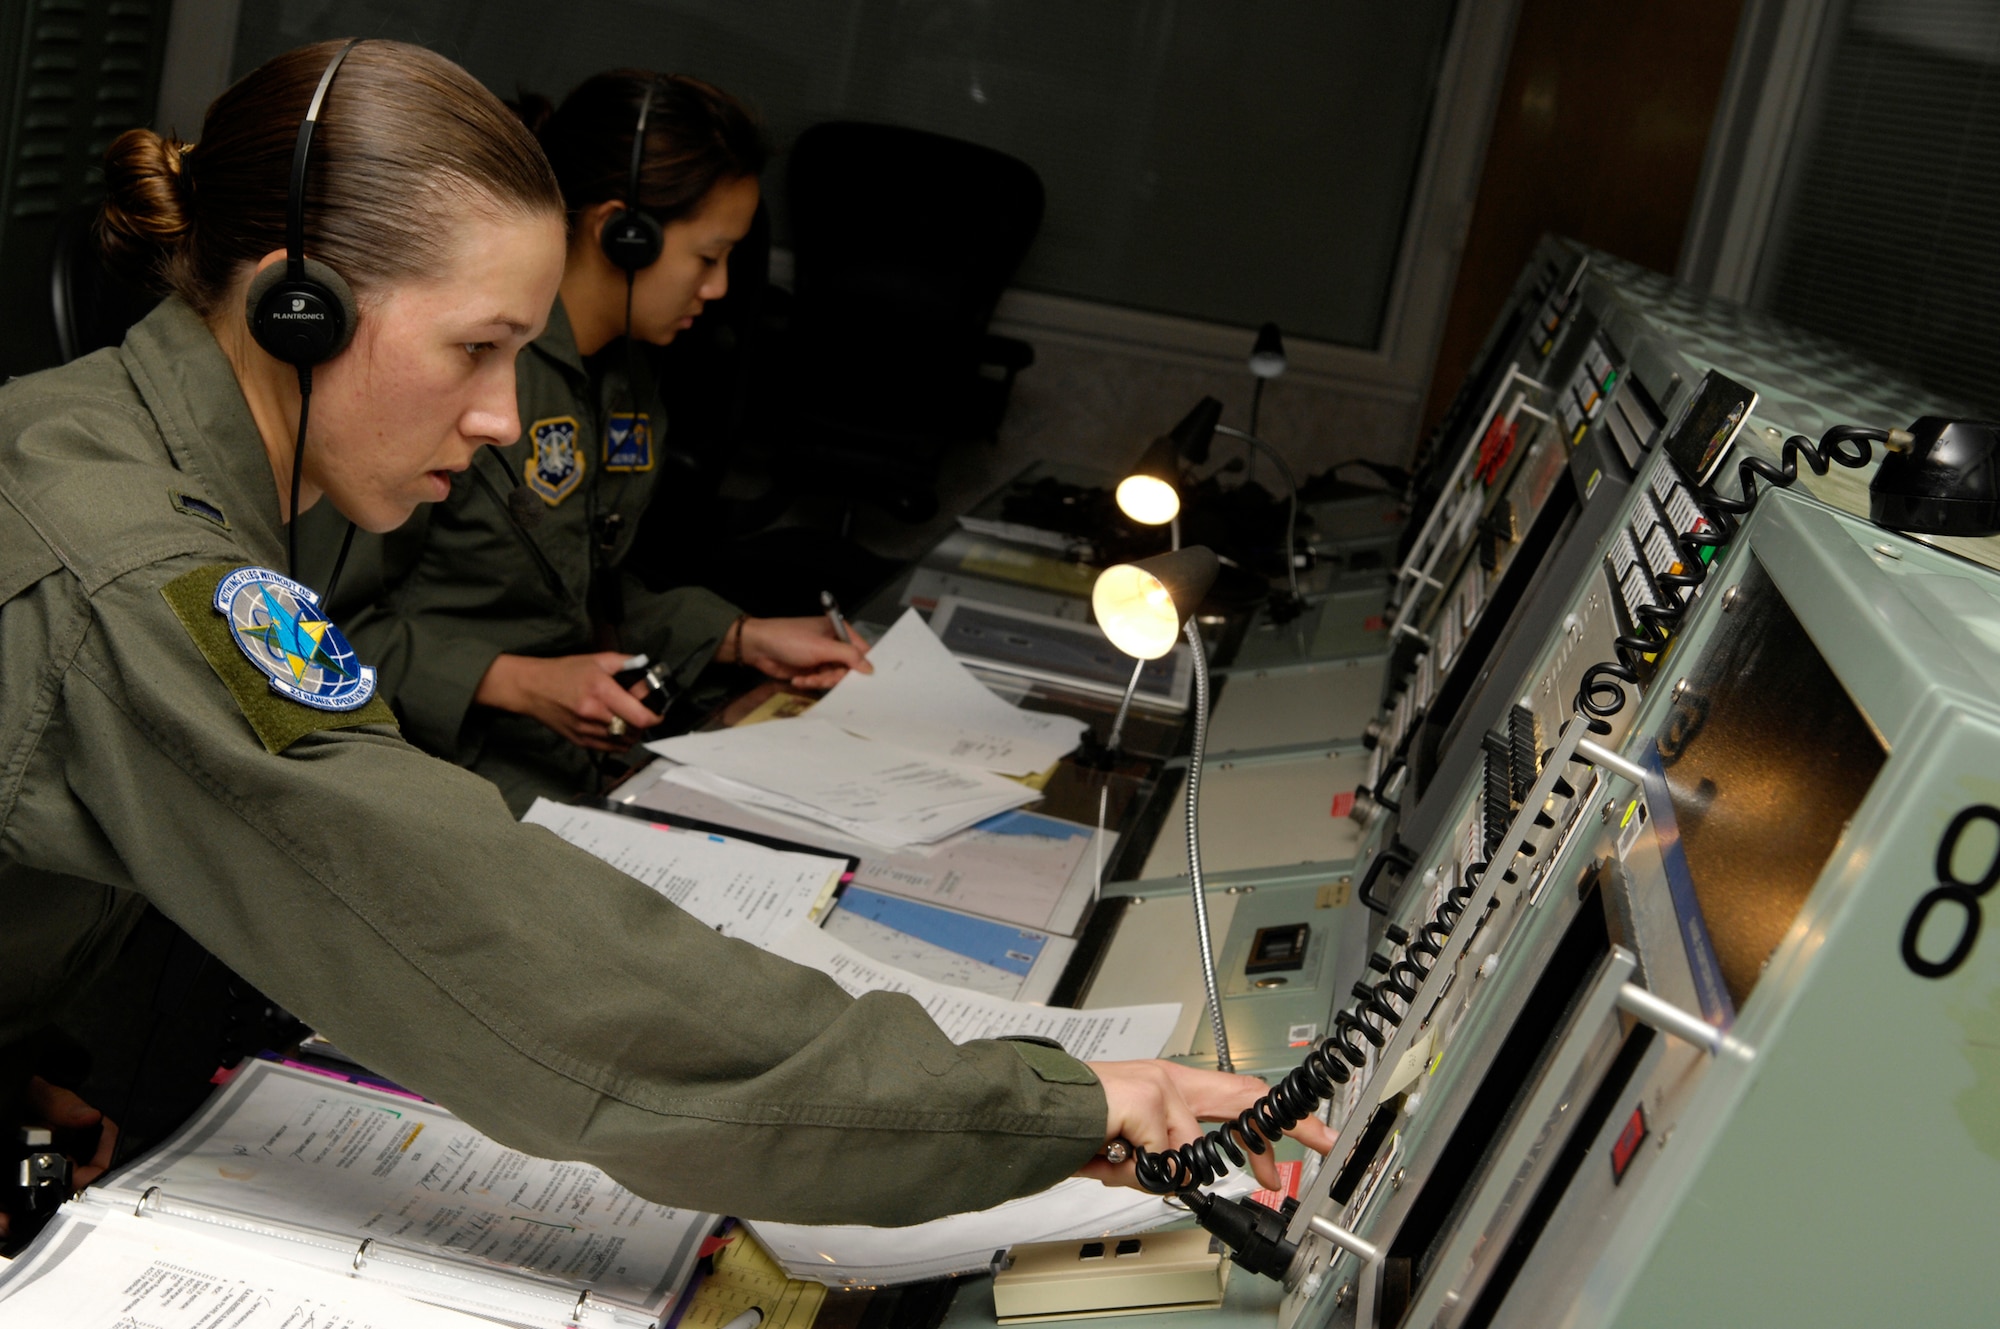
[180,725]
[498,618]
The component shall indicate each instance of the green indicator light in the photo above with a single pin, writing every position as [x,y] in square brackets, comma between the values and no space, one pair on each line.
[1609,379]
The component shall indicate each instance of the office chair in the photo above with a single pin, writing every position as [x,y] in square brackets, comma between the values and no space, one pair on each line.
[92,307]
[903,242]
[712,378]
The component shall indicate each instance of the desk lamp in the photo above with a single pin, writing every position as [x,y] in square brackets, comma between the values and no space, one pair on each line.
[1143,607]
[1191,440]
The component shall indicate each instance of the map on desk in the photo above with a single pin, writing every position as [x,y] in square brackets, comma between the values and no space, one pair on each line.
[1025,868]
[946,946]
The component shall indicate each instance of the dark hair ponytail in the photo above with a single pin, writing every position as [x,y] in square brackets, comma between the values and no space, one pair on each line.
[406,141]
[697,137]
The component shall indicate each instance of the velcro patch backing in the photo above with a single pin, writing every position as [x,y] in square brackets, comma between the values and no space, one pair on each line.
[279,721]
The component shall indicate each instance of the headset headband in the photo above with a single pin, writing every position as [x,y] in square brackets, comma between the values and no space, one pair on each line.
[295,202]
[639,143]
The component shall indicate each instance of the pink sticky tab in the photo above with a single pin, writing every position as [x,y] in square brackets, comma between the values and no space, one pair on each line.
[1373,623]
[1343,803]
[1288,1186]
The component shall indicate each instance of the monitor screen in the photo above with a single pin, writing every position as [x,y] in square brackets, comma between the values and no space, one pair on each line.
[1701,435]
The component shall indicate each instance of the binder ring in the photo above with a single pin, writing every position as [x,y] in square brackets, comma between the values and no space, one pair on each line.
[139,1209]
[582,1305]
[361,1252]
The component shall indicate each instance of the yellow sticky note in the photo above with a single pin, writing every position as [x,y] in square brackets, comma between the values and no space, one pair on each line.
[745,1276]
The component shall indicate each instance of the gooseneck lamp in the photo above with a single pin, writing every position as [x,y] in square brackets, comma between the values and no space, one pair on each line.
[1141,495]
[1151,494]
[1144,607]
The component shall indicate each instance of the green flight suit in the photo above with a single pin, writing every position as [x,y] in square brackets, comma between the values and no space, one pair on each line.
[431,604]
[387,897]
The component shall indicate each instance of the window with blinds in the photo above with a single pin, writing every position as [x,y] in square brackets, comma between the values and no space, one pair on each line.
[1889,237]
[1227,162]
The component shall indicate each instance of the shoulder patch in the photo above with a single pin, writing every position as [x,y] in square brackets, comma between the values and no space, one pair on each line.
[628,441]
[289,669]
[196,506]
[555,464]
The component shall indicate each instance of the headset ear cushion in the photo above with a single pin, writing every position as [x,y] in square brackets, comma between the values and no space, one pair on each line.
[275,304]
[631,240]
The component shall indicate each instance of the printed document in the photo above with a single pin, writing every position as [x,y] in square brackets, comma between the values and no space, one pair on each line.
[1112,1033]
[920,697]
[740,889]
[884,793]
[290,1148]
[122,1272]
[1019,867]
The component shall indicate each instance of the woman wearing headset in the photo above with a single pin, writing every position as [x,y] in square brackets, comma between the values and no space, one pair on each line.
[180,725]
[498,618]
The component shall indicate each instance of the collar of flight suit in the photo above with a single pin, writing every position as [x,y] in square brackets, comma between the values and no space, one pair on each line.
[194,398]
[558,342]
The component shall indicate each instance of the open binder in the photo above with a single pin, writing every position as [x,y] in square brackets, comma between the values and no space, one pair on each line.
[369,1184]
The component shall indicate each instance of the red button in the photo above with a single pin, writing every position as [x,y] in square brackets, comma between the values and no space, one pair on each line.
[1628,1143]
[1343,803]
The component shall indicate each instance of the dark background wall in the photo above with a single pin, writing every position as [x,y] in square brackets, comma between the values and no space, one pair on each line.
[1599,135]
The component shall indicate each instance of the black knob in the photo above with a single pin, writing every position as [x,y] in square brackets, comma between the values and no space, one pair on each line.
[1396,935]
[1379,963]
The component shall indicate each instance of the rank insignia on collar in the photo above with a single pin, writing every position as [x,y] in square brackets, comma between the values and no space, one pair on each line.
[555,466]
[628,441]
[278,626]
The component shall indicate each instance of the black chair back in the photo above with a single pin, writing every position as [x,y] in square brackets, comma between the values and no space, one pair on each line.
[903,241]
[92,307]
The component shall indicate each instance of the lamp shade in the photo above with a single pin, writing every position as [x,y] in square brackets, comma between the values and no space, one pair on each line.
[1151,494]
[1197,430]
[1267,357]
[1141,605]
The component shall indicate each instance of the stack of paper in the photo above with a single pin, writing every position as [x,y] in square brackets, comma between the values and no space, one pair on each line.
[738,888]
[913,753]
[921,697]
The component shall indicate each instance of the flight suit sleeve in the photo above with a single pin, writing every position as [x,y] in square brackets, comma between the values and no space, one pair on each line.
[428,665]
[673,625]
[553,1002]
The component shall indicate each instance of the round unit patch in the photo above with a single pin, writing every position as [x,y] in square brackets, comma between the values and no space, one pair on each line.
[279,628]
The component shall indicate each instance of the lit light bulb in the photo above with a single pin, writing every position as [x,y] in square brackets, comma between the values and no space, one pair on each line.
[1136,611]
[1148,500]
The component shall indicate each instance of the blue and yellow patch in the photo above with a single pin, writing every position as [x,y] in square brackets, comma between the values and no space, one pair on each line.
[555,463]
[628,441]
[278,626]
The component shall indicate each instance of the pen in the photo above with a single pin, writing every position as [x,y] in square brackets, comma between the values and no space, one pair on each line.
[749,1319]
[832,607]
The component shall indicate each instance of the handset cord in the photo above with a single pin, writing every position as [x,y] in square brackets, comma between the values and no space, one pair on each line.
[1334,1059]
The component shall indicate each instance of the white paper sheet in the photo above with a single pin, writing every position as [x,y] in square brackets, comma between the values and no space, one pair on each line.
[286,1146]
[920,697]
[962,1243]
[123,1272]
[877,791]
[1018,867]
[740,889]
[1112,1033]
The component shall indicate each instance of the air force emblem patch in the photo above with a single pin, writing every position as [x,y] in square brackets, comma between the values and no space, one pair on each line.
[628,442]
[555,466]
[278,626]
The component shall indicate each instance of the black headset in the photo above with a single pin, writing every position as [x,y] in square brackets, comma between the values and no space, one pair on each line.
[632,238]
[303,312]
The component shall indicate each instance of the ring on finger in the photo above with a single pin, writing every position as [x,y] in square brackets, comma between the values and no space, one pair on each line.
[617,726]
